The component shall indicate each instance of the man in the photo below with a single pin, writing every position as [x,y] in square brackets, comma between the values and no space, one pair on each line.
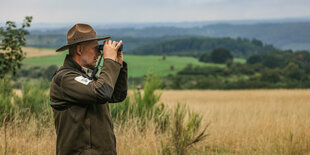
[80,104]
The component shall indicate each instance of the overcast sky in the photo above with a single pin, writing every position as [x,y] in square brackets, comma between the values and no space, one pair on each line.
[120,11]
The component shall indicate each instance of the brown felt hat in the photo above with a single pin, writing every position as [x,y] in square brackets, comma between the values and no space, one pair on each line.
[80,33]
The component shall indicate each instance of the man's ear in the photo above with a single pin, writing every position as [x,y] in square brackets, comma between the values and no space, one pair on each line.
[79,50]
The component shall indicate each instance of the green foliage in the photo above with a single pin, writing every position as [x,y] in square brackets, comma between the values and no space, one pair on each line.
[279,69]
[184,131]
[218,55]
[285,69]
[294,72]
[221,55]
[254,59]
[257,42]
[273,61]
[34,99]
[182,126]
[302,58]
[143,107]
[7,109]
[149,97]
[271,75]
[205,57]
[196,46]
[33,74]
[49,72]
[12,40]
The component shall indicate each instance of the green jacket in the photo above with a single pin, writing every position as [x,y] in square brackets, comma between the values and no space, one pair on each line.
[81,111]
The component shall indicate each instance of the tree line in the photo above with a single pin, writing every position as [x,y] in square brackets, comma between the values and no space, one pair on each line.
[279,69]
[196,46]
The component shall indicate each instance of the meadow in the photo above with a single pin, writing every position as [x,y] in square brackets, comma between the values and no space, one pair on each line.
[240,122]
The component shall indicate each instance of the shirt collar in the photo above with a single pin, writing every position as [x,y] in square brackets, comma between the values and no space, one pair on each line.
[87,71]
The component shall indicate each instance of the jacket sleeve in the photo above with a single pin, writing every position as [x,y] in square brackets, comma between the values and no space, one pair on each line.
[79,89]
[121,86]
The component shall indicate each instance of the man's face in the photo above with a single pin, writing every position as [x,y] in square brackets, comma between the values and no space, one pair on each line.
[89,54]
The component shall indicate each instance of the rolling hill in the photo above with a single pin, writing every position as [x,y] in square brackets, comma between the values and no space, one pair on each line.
[289,35]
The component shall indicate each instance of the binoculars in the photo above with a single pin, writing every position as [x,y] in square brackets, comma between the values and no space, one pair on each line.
[100,48]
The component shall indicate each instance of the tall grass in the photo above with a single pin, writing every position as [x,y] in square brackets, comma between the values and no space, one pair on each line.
[241,122]
[6,94]
[251,121]
[143,106]
[27,120]
[32,107]
[180,125]
[183,133]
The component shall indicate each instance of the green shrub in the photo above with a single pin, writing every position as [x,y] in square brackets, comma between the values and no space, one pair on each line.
[184,131]
[7,109]
[271,75]
[143,106]
[34,100]
[182,126]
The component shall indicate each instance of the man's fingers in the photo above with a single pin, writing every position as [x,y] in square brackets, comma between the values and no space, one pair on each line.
[119,44]
[114,43]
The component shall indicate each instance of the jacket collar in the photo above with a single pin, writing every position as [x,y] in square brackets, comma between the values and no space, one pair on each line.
[70,63]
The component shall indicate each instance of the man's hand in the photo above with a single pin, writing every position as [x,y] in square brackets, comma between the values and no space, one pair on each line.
[110,50]
[119,58]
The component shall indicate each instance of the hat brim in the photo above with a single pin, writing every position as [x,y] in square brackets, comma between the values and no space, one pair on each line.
[89,39]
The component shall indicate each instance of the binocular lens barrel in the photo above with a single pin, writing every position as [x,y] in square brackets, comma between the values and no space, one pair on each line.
[101,48]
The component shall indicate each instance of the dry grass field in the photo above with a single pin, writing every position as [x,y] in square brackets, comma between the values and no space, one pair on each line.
[241,122]
[38,52]
[31,52]
[247,121]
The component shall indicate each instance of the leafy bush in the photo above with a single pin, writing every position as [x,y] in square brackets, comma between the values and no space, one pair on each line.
[7,108]
[221,55]
[184,131]
[254,59]
[33,101]
[205,57]
[49,72]
[12,40]
[270,75]
[181,126]
[293,71]
[143,106]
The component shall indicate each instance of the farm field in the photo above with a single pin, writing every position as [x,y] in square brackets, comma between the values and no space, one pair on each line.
[240,122]
[32,52]
[139,65]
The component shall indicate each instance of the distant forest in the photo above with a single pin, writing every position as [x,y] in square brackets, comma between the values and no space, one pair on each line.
[291,35]
[195,46]
[266,47]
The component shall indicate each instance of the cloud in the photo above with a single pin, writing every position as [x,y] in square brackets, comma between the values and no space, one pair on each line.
[150,10]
